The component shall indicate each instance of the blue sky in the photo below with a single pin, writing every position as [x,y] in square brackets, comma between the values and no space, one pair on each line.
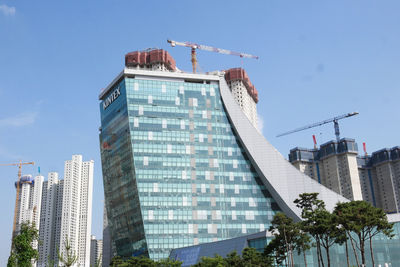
[318,59]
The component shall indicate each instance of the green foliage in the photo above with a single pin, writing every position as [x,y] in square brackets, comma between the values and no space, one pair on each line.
[233,259]
[319,223]
[70,258]
[276,249]
[288,237]
[141,261]
[250,258]
[117,261]
[168,263]
[22,252]
[217,261]
[365,221]
[50,262]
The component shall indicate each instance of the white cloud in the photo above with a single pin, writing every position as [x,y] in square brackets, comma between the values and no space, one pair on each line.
[7,10]
[260,123]
[19,120]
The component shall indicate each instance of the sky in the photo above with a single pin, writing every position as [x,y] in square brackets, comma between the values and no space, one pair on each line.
[318,59]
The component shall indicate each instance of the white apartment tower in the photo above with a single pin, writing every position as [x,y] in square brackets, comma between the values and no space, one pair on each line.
[29,202]
[48,220]
[244,93]
[67,212]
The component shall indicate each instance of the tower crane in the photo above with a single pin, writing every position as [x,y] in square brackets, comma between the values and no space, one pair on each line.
[335,121]
[195,46]
[19,164]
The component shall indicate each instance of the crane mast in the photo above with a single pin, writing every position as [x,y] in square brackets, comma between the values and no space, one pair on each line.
[19,164]
[335,121]
[195,46]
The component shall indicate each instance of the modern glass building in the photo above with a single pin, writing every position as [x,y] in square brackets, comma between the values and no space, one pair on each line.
[182,164]
[386,250]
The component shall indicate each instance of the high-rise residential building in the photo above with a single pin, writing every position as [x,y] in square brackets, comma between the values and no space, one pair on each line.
[380,178]
[66,213]
[244,93]
[96,248]
[183,164]
[334,165]
[375,178]
[29,201]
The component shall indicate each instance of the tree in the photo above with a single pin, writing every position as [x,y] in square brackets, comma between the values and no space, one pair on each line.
[327,230]
[70,258]
[309,205]
[365,221]
[234,260]
[22,252]
[117,261]
[141,261]
[277,250]
[287,235]
[252,258]
[50,262]
[217,261]
[168,263]
[303,242]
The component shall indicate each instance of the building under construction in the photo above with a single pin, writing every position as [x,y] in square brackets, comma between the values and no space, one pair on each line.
[374,178]
[183,162]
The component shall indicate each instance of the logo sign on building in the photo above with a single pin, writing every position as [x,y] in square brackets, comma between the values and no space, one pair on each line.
[111,98]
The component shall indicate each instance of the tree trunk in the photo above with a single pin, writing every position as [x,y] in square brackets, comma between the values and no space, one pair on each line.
[372,252]
[291,255]
[276,259]
[347,254]
[362,249]
[305,259]
[320,259]
[354,250]
[328,256]
[319,262]
[320,255]
[287,247]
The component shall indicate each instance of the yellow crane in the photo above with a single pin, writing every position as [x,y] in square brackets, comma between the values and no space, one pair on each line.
[19,164]
[195,46]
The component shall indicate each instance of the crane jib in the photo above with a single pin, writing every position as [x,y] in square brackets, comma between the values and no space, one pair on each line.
[335,120]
